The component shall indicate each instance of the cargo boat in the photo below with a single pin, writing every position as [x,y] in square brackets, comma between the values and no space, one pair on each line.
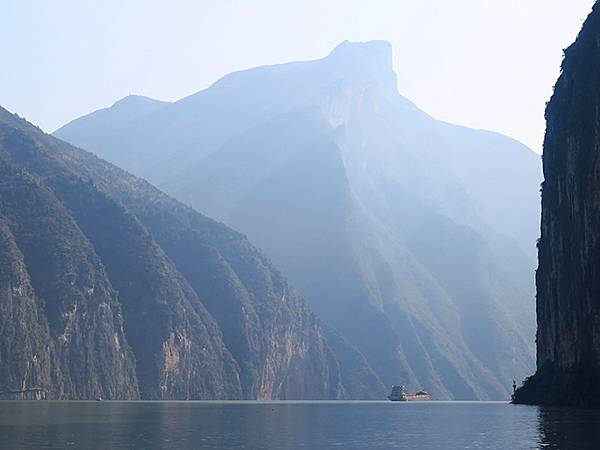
[399,394]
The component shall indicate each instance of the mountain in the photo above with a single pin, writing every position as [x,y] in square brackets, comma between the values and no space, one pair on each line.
[411,237]
[109,288]
[568,281]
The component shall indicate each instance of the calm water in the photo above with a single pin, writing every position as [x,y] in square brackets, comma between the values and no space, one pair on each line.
[293,425]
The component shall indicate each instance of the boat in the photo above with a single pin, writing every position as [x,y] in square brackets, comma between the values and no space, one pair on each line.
[399,394]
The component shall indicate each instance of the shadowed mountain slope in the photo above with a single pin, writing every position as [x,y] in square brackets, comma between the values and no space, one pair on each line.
[133,293]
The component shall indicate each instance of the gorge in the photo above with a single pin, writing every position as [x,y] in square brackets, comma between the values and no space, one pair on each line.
[411,237]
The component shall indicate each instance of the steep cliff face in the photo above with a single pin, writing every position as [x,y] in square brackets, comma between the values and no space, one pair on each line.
[196,312]
[27,354]
[70,340]
[568,277]
[79,246]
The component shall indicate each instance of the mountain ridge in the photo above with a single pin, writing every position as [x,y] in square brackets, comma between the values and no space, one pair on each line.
[352,190]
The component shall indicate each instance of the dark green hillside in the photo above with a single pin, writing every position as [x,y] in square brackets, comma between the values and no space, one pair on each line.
[205,314]
[27,353]
[71,341]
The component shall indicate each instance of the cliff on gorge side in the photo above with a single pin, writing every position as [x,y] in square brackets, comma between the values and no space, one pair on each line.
[568,276]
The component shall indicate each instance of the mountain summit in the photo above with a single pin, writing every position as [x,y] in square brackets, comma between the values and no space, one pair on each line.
[373,57]
[413,238]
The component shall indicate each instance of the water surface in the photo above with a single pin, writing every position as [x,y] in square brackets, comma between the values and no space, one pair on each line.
[293,425]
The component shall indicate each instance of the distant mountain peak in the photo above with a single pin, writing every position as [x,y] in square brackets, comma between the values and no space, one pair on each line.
[134,100]
[355,71]
[355,48]
[365,54]
[126,109]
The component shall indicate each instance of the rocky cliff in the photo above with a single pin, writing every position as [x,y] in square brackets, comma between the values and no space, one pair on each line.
[61,327]
[568,276]
[109,288]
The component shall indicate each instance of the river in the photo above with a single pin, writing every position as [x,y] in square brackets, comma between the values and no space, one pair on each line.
[293,425]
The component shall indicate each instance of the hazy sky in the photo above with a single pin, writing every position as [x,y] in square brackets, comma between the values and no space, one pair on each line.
[482,63]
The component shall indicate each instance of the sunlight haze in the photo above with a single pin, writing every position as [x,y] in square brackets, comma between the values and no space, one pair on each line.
[480,63]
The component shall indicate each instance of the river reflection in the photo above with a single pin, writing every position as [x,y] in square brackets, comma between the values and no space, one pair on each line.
[565,428]
[293,425]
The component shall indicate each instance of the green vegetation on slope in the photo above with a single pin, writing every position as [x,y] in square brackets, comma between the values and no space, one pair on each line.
[204,314]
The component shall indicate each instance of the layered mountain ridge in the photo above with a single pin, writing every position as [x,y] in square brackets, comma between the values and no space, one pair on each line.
[413,238]
[109,288]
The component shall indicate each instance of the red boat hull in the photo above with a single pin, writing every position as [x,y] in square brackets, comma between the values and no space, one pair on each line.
[416,398]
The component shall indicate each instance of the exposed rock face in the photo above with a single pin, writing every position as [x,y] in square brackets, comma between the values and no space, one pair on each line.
[70,339]
[568,277]
[399,230]
[125,293]
[27,354]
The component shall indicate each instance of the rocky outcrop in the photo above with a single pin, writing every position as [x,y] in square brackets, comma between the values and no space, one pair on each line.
[27,354]
[62,328]
[127,293]
[568,276]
